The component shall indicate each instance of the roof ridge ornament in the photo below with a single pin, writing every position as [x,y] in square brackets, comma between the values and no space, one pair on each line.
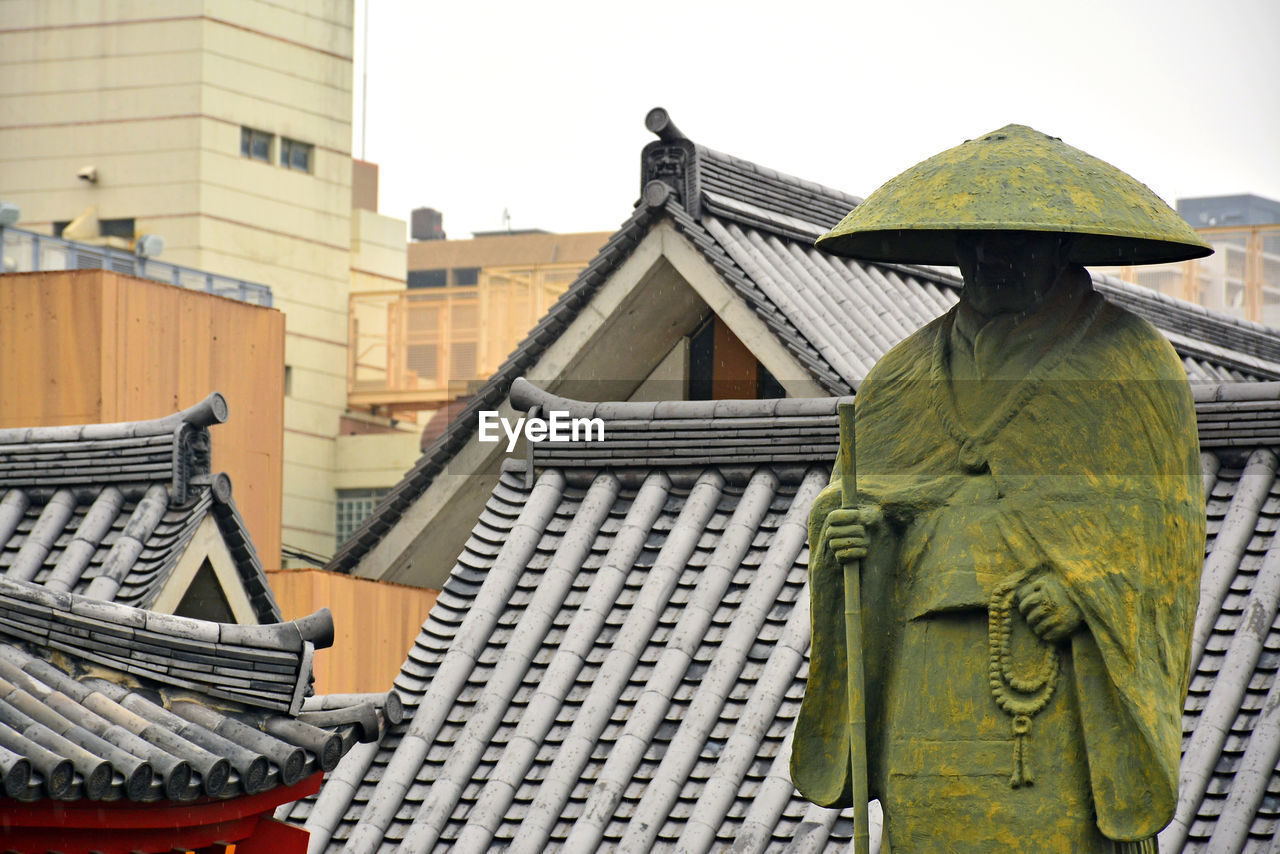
[672,159]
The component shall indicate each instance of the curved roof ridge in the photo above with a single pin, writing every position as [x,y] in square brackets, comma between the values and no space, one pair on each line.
[212,410]
[812,186]
[266,666]
[736,436]
[525,395]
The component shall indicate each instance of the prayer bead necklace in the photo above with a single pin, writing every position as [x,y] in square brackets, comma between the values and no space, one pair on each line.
[1021,697]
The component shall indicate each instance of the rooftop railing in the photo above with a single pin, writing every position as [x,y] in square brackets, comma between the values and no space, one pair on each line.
[420,348]
[28,252]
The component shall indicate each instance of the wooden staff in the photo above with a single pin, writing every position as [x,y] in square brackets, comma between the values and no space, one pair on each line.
[856,682]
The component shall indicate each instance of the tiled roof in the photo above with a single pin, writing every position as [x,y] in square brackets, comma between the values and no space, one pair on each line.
[835,316]
[1229,786]
[101,701]
[619,654]
[107,510]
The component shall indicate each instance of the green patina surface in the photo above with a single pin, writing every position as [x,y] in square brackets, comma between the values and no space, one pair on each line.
[1085,468]
[1015,178]
[1029,516]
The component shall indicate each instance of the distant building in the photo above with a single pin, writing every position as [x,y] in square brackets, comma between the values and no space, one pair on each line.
[1222,211]
[1242,277]
[712,289]
[467,304]
[224,127]
[420,348]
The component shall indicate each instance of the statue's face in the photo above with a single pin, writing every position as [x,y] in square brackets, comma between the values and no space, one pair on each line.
[1009,271]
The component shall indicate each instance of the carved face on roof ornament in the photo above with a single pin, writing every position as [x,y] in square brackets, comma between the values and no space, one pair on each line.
[1015,179]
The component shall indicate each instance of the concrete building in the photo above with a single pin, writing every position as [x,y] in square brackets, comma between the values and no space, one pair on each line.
[416,351]
[1241,209]
[223,126]
[712,289]
[1242,277]
[467,305]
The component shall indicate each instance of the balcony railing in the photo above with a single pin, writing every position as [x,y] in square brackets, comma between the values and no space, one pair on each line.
[420,348]
[29,252]
[1241,278]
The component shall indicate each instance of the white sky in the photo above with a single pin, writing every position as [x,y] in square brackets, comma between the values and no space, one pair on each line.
[538,107]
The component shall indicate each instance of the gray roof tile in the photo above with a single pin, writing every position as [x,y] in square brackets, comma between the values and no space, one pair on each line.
[1229,764]
[835,316]
[670,623]
[627,670]
[107,510]
[73,725]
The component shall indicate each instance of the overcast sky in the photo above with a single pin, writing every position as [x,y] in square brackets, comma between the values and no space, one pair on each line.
[538,107]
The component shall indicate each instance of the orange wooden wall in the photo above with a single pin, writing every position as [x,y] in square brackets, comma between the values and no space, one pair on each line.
[375,624]
[733,371]
[87,346]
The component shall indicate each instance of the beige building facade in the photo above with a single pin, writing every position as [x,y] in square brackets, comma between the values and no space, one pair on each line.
[1241,278]
[467,305]
[224,126]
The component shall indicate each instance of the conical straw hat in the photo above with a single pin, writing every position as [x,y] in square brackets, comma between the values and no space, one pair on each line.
[1014,179]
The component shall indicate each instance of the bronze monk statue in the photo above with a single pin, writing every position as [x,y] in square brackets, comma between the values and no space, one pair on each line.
[1029,516]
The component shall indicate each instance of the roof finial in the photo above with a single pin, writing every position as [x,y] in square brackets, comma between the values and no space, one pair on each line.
[671,159]
[658,121]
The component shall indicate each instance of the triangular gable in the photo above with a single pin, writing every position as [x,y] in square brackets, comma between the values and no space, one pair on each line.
[659,295]
[207,553]
[739,237]
[111,510]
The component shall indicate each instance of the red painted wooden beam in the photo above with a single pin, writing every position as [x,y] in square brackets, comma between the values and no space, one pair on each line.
[121,827]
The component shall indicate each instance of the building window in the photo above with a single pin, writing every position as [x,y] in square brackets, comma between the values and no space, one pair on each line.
[295,155]
[354,506]
[463,276]
[124,227]
[428,278]
[256,144]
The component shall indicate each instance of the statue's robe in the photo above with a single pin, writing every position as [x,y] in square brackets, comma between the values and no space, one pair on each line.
[1067,444]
